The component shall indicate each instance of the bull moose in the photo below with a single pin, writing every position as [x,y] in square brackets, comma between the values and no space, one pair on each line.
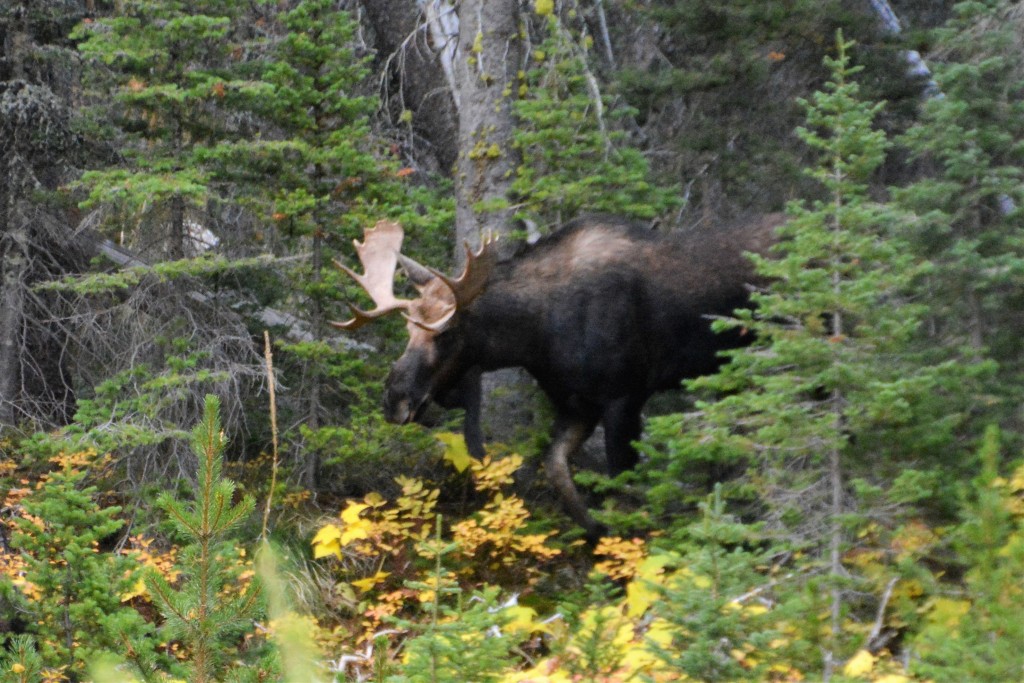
[602,313]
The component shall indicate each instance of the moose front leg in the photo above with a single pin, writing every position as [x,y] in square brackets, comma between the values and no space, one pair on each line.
[622,426]
[471,391]
[567,437]
[468,394]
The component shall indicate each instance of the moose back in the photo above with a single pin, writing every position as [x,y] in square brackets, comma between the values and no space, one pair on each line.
[602,313]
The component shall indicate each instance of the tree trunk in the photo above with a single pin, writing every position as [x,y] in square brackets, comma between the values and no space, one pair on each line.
[14,270]
[419,82]
[486,75]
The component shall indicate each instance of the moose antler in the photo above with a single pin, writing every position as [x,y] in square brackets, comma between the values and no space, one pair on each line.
[463,289]
[378,253]
[475,274]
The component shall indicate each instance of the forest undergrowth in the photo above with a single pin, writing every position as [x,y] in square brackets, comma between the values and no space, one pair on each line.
[843,501]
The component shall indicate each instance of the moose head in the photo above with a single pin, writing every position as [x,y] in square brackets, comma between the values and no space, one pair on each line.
[432,366]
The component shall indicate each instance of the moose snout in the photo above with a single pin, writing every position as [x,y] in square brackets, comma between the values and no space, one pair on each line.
[398,411]
[402,406]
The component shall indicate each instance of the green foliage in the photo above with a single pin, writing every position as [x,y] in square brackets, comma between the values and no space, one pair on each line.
[461,639]
[721,630]
[574,157]
[830,402]
[172,65]
[969,143]
[977,636]
[719,63]
[76,586]
[204,613]
[134,408]
[833,368]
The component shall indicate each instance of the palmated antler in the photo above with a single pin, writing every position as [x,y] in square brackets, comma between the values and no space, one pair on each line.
[475,274]
[378,253]
[465,288]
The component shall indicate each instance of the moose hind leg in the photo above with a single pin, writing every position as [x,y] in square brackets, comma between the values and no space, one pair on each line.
[622,426]
[567,437]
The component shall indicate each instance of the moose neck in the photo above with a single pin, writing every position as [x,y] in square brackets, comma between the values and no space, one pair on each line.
[502,327]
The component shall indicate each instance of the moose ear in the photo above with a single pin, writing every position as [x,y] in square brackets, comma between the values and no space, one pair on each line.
[419,274]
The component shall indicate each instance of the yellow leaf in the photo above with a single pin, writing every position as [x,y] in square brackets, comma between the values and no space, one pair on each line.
[350,515]
[860,664]
[523,620]
[653,568]
[545,7]
[636,660]
[356,528]
[455,450]
[327,542]
[370,581]
[893,678]
[137,590]
[640,595]
[17,668]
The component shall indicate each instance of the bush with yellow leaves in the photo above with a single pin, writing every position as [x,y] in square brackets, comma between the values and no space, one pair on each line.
[380,548]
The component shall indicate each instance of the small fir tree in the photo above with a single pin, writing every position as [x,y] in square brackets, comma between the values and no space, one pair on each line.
[828,401]
[976,637]
[209,609]
[461,639]
[720,627]
[77,607]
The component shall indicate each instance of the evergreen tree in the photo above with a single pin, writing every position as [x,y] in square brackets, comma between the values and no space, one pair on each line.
[704,603]
[207,610]
[829,403]
[174,66]
[575,157]
[159,77]
[969,145]
[321,176]
[77,612]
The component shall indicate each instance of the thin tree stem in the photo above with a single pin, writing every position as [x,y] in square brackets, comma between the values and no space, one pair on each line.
[268,354]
